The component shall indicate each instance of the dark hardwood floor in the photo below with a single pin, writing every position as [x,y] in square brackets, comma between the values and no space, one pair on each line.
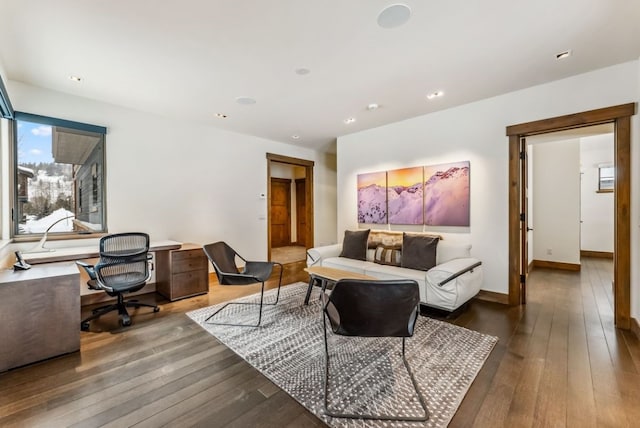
[559,362]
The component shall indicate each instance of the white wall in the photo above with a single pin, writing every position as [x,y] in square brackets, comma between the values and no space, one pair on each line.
[476,132]
[328,224]
[556,180]
[597,209]
[184,181]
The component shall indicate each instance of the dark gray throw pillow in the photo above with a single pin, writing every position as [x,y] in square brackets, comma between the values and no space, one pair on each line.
[354,245]
[419,252]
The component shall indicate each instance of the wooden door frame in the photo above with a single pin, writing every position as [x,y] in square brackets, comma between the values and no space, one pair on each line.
[308,166]
[620,116]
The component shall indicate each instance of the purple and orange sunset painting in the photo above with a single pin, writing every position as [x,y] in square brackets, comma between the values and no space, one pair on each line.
[446,194]
[372,198]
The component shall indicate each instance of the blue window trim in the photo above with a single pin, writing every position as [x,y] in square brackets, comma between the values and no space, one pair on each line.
[6,109]
[45,120]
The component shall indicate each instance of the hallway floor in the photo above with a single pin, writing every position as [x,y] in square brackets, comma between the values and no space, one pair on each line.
[288,254]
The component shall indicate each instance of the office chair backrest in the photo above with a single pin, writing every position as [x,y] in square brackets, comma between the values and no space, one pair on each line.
[123,260]
[222,257]
[124,244]
[373,308]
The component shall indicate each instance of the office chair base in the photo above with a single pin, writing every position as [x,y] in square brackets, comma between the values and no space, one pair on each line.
[335,414]
[121,306]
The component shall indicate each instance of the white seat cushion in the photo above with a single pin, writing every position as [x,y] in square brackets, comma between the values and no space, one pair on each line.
[344,263]
[395,272]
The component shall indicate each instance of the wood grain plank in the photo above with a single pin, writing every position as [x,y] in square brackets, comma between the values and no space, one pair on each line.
[559,361]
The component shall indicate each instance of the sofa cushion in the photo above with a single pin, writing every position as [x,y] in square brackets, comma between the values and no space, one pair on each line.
[390,237]
[419,251]
[344,263]
[354,244]
[394,272]
[388,255]
[448,250]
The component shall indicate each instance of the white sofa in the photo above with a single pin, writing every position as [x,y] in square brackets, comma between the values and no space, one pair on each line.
[456,278]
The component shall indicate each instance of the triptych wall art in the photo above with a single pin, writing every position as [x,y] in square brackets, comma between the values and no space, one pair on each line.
[436,195]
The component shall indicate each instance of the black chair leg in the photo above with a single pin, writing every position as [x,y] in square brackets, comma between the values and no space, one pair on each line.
[261,304]
[207,320]
[331,413]
[279,284]
[96,313]
[136,304]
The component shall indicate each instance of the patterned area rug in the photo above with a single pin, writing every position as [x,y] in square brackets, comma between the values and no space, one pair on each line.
[367,374]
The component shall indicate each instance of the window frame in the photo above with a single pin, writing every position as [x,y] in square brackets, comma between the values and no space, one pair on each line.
[600,179]
[61,123]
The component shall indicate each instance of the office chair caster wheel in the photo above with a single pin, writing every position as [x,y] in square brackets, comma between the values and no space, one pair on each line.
[156,309]
[84,326]
[125,321]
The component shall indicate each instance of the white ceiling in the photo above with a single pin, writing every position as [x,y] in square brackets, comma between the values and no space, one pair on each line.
[191,59]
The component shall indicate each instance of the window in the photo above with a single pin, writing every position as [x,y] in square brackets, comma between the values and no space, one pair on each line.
[606,179]
[59,176]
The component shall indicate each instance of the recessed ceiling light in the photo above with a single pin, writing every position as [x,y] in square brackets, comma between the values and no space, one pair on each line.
[350,120]
[75,78]
[372,106]
[221,116]
[394,16]
[563,55]
[302,71]
[245,101]
[435,94]
[295,137]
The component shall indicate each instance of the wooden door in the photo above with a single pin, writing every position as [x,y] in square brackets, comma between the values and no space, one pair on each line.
[280,212]
[301,211]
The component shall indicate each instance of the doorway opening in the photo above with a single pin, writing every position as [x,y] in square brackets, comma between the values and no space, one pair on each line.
[290,213]
[570,197]
[620,118]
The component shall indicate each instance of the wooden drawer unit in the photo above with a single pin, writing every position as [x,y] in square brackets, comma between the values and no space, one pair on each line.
[186,274]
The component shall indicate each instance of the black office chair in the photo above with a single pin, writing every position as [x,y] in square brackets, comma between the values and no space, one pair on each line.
[124,267]
[223,259]
[366,308]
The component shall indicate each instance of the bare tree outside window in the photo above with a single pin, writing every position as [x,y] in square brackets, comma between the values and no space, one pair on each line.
[53,165]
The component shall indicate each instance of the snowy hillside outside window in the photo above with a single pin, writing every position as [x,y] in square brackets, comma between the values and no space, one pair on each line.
[58,164]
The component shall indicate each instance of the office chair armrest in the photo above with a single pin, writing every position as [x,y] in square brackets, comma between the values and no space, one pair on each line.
[90,269]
